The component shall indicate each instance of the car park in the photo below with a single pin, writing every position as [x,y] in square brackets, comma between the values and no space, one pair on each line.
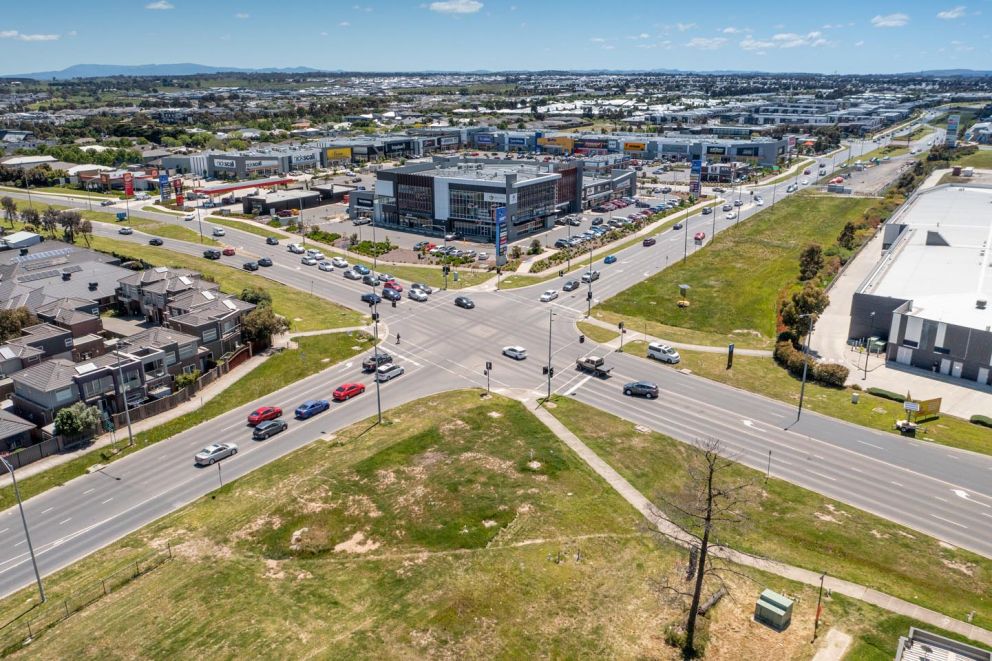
[610,259]
[214,453]
[346,391]
[388,372]
[219,231]
[371,299]
[268,429]
[125,230]
[515,352]
[155,241]
[571,285]
[352,275]
[391,295]
[311,407]
[325,266]
[464,302]
[272,241]
[597,221]
[663,353]
[211,253]
[641,389]
[307,260]
[250,266]
[649,241]
[417,295]
[699,236]
[339,263]
[549,295]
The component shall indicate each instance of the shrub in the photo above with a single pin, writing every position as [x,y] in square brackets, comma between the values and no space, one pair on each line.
[982,420]
[321,235]
[886,394]
[185,380]
[832,374]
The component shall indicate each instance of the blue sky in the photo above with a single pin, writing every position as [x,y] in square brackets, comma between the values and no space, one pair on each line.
[841,36]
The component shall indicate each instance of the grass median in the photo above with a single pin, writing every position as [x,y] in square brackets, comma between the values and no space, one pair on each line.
[314,353]
[168,230]
[797,526]
[597,333]
[306,312]
[249,226]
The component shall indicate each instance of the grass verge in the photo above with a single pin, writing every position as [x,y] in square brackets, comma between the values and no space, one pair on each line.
[168,231]
[981,159]
[168,212]
[247,226]
[800,527]
[306,312]
[276,372]
[763,376]
[597,333]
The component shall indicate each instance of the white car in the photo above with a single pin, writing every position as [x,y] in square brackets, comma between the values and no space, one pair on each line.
[804,182]
[219,231]
[339,262]
[215,452]
[514,352]
[352,275]
[730,216]
[325,266]
[417,295]
[125,230]
[296,248]
[759,202]
[483,256]
[308,261]
[549,295]
[316,254]
[189,216]
[663,353]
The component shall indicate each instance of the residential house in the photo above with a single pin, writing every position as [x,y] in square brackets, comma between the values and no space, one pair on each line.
[215,319]
[149,292]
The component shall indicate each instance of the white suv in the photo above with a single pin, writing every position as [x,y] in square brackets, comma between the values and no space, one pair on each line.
[296,248]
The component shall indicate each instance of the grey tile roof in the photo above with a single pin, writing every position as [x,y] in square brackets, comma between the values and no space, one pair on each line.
[41,332]
[47,376]
[159,336]
[19,350]
[12,425]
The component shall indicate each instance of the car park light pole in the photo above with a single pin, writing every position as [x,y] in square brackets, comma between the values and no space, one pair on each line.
[27,535]
[589,293]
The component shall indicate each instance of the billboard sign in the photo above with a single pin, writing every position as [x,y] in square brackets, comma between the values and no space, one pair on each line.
[257,163]
[163,187]
[792,142]
[364,202]
[695,177]
[710,149]
[338,153]
[226,163]
[566,144]
[449,141]
[929,406]
[516,141]
[304,158]
[180,199]
[177,186]
[501,232]
[128,184]
[494,197]
[634,146]
[953,121]
[591,144]
[484,138]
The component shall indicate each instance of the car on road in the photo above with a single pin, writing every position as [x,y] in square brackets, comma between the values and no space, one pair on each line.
[369,279]
[347,390]
[316,254]
[452,237]
[729,216]
[707,211]
[641,389]
[464,302]
[155,241]
[376,360]
[738,203]
[189,217]
[125,230]
[339,263]
[388,372]
[727,207]
[392,284]
[427,289]
[215,452]
[351,274]
[307,260]
[610,259]
[211,253]
[417,295]
[590,276]
[264,261]
[219,231]
[663,353]
[699,236]
[263,413]
[108,203]
[549,295]
[515,352]
[562,243]
[268,429]
[571,285]
[717,189]
[311,407]
[677,226]
[325,266]
[272,241]
[363,270]
[391,295]
[250,266]
[371,299]
[804,182]
[598,220]
[649,241]
[229,251]
[296,248]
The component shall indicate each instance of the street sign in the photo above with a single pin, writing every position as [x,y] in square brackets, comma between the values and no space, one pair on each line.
[695,177]
[911,406]
[128,184]
[163,187]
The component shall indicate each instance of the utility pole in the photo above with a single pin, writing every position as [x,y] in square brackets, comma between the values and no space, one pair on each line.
[819,599]
[27,535]
[488,371]
[127,411]
[802,388]
[589,293]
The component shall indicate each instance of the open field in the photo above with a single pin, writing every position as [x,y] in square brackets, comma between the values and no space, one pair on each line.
[763,376]
[797,526]
[736,279]
[893,149]
[154,209]
[797,174]
[169,231]
[276,372]
[597,333]
[304,311]
[981,159]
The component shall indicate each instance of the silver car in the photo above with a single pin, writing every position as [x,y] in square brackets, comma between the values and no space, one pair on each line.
[416,295]
[215,452]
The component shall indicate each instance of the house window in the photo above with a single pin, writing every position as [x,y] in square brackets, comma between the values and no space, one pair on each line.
[170,358]
[68,343]
[188,369]
[210,335]
[63,395]
[187,351]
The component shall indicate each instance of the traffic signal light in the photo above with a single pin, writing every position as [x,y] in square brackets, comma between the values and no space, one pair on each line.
[620,325]
[394,304]
[544,369]
[588,295]
[489,364]
[582,339]
[561,273]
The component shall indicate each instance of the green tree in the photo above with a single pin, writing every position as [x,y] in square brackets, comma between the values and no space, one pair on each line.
[30,216]
[261,324]
[810,300]
[535,247]
[86,231]
[76,419]
[847,236]
[12,321]
[9,209]
[50,220]
[256,296]
[810,261]
[70,220]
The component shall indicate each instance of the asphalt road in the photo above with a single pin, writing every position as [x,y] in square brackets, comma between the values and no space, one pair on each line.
[940,491]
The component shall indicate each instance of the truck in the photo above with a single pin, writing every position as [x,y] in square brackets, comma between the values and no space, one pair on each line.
[594,365]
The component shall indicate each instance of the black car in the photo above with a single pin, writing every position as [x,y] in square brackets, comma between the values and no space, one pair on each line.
[155,242]
[571,285]
[370,280]
[641,389]
[250,266]
[597,221]
[265,261]
[648,241]
[272,241]
[264,430]
[371,299]
[391,294]
[370,364]
[464,302]
[707,211]
[211,253]
[677,226]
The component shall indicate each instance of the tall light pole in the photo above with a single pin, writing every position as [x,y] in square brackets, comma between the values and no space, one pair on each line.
[802,388]
[27,535]
[375,352]
[868,345]
[551,316]
[589,293]
[127,411]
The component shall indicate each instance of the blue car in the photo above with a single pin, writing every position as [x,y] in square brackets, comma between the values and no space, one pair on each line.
[609,259]
[358,268]
[391,295]
[311,407]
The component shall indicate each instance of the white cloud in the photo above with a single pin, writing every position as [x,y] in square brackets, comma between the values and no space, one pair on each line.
[456,6]
[890,21]
[20,36]
[71,33]
[962,47]
[792,40]
[756,44]
[682,27]
[242,15]
[859,44]
[597,40]
[344,24]
[361,8]
[731,30]
[952,13]
[643,35]
[323,34]
[160,4]
[703,43]
[609,47]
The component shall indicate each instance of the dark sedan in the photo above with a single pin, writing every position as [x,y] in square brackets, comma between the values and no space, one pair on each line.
[269,428]
[155,242]
[464,302]
[371,299]
[571,285]
[641,389]
[264,261]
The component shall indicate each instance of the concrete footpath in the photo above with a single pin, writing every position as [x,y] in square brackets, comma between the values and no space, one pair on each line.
[634,334]
[798,574]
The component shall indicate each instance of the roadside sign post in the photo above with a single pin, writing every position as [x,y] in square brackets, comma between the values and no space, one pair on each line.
[499,216]
[730,355]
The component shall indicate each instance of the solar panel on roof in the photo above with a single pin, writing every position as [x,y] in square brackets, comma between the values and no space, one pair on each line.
[229,304]
[209,295]
[7,353]
[31,277]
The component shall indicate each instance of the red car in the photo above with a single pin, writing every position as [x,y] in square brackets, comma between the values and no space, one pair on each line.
[699,236]
[347,390]
[392,284]
[228,251]
[263,413]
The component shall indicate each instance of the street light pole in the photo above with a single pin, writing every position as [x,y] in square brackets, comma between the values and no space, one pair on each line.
[802,388]
[375,352]
[589,294]
[868,345]
[551,316]
[27,535]
[127,411]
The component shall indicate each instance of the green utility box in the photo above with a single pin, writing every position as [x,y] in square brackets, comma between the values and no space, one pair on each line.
[774,610]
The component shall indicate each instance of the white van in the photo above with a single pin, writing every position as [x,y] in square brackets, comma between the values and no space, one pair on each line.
[663,352]
[296,248]
[388,372]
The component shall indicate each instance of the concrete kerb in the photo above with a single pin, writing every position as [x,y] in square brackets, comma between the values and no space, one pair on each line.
[615,343]
[792,573]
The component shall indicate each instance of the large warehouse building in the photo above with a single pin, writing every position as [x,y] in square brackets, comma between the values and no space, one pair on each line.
[930,294]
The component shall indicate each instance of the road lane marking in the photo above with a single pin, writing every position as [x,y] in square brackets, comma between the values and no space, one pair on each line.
[89,491]
[48,510]
[826,477]
[943,500]
[870,444]
[66,521]
[19,543]
[578,385]
[4,530]
[953,523]
[896,483]
[107,501]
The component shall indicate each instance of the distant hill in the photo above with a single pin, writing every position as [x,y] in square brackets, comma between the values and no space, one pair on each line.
[183,69]
[946,73]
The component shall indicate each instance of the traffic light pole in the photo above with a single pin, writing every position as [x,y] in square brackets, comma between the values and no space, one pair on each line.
[551,316]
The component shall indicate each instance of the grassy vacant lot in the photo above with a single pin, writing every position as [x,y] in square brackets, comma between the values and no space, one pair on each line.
[737,279]
[597,333]
[920,133]
[169,231]
[763,376]
[245,226]
[64,190]
[893,149]
[981,159]
[796,174]
[278,371]
[304,311]
[800,527]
